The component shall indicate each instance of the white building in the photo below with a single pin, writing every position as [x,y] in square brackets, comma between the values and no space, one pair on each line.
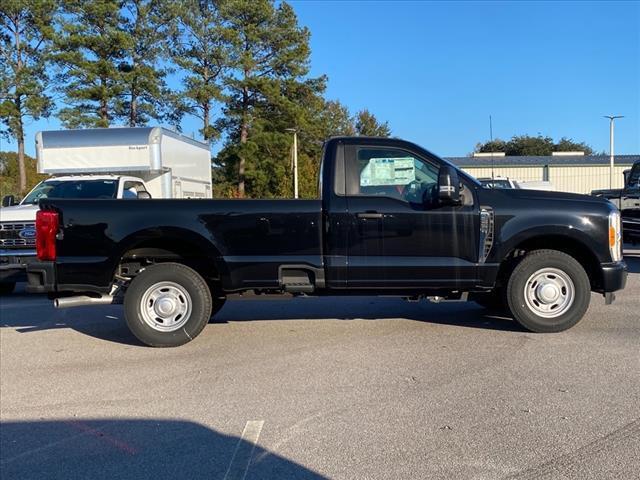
[568,173]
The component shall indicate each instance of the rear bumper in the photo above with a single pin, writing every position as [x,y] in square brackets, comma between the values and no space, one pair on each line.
[41,277]
[614,276]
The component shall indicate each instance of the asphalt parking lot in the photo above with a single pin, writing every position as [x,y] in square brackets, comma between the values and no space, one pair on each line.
[321,388]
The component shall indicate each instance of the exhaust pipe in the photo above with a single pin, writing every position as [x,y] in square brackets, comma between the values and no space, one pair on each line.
[80,300]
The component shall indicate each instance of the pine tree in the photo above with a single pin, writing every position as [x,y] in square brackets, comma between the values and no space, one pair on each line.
[25,37]
[91,49]
[144,91]
[200,48]
[269,58]
[366,124]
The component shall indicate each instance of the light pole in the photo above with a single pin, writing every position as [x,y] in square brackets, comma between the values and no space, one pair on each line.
[295,161]
[611,160]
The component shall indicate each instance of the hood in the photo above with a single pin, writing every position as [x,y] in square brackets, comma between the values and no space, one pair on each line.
[552,195]
[19,213]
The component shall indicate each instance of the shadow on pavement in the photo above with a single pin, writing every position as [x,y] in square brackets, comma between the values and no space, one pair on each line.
[29,313]
[136,449]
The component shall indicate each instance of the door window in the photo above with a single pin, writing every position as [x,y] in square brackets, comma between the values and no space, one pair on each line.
[392,173]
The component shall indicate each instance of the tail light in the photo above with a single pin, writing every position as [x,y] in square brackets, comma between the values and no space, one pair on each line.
[47,224]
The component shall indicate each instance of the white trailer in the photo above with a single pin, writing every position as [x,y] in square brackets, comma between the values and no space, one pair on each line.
[171,165]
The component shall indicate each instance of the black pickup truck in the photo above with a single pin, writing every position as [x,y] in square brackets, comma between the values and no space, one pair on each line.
[627,199]
[392,219]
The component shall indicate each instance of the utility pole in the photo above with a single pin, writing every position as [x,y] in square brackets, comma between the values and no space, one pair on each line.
[611,154]
[295,161]
[491,137]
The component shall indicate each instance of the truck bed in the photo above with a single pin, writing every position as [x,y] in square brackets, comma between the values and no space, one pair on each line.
[248,240]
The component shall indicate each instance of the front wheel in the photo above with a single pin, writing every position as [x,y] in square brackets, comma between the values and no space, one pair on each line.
[548,291]
[167,305]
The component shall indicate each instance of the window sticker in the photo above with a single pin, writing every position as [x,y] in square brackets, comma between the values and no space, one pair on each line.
[388,171]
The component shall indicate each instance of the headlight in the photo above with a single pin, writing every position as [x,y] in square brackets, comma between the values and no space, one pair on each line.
[615,236]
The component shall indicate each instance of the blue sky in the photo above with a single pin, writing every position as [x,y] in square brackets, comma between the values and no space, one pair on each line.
[436,71]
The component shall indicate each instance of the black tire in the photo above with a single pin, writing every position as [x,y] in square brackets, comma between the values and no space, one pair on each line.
[519,304]
[7,288]
[180,279]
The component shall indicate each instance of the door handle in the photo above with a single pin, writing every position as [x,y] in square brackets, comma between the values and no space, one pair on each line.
[369,215]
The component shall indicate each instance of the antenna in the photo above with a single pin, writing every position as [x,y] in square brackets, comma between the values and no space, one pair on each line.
[491,137]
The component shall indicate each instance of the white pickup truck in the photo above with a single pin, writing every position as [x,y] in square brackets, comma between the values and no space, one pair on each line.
[17,222]
[108,163]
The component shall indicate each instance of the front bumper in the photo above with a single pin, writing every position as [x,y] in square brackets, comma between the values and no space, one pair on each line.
[614,276]
[13,264]
[41,277]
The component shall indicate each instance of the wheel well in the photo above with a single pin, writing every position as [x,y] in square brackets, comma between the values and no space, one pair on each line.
[169,249]
[567,245]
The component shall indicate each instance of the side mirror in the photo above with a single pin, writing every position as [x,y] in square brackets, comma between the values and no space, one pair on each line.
[448,186]
[142,195]
[8,201]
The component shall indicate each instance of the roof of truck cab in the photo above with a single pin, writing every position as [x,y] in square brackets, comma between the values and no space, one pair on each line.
[99,137]
[69,178]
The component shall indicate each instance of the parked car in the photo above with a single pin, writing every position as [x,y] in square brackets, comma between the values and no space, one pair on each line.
[392,219]
[627,199]
[100,163]
[537,185]
[498,182]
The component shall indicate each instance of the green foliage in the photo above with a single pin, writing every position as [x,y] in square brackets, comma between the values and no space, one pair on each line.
[568,145]
[267,91]
[25,38]
[200,47]
[90,49]
[144,90]
[523,145]
[366,124]
[244,72]
[9,177]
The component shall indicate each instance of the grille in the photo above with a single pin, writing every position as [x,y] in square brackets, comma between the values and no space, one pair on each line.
[10,235]
[15,227]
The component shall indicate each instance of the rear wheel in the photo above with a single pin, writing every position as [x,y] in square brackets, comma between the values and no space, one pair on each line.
[548,291]
[167,305]
[7,288]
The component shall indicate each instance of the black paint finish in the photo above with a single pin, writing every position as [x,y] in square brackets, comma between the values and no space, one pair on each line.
[380,244]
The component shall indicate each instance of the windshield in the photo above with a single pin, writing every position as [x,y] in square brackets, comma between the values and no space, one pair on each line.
[496,183]
[73,189]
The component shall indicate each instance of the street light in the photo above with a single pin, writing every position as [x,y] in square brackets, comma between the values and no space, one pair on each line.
[611,122]
[295,160]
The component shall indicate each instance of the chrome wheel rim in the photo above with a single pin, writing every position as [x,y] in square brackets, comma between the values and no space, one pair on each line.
[166,306]
[549,292]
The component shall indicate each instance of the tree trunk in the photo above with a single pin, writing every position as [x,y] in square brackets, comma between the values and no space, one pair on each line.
[244,135]
[21,165]
[22,171]
[104,108]
[104,113]
[205,121]
[133,111]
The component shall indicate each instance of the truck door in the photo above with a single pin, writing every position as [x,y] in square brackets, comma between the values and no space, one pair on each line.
[400,235]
